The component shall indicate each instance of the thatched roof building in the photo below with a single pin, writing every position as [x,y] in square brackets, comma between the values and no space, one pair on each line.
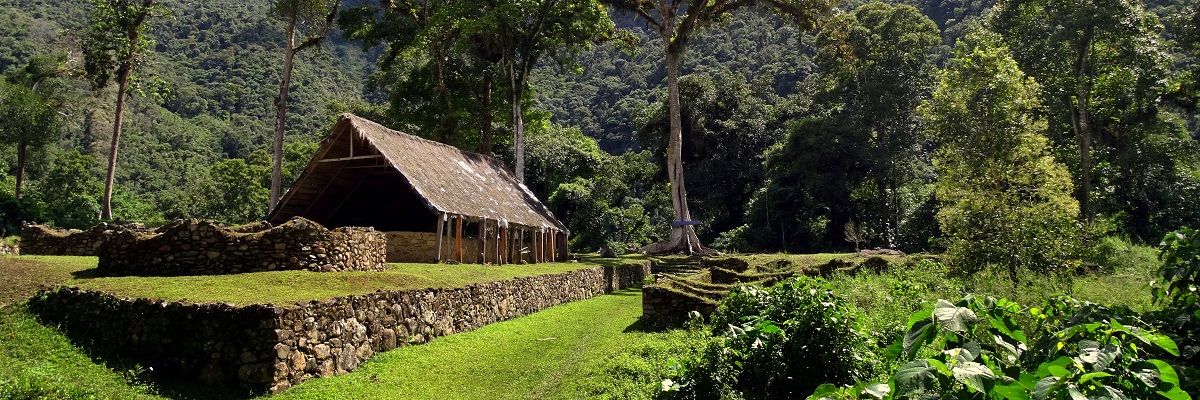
[365,174]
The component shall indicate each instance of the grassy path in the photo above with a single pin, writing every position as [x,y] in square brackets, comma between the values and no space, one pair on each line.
[529,357]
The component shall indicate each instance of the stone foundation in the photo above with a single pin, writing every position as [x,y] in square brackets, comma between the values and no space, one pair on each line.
[272,348]
[42,240]
[198,247]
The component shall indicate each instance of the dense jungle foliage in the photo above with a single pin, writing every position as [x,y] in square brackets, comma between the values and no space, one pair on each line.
[916,125]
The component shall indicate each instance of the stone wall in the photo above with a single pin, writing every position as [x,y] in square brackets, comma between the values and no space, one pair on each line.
[211,343]
[272,348]
[198,247]
[663,307]
[419,247]
[7,249]
[42,240]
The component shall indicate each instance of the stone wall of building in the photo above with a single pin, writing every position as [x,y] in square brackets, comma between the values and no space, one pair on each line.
[200,247]
[272,348]
[420,247]
[43,240]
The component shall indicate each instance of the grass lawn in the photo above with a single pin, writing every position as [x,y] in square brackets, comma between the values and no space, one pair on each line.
[37,362]
[585,349]
[562,352]
[28,273]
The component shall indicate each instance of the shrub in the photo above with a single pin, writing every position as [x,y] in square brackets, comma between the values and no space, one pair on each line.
[776,342]
[1067,349]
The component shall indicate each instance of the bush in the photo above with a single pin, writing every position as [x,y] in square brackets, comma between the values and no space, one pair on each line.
[778,342]
[1113,254]
[1066,349]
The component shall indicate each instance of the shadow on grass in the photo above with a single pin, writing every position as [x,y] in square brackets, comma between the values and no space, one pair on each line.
[86,273]
[161,379]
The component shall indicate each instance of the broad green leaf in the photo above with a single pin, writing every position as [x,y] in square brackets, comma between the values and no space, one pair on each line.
[877,390]
[972,374]
[1166,373]
[953,318]
[1164,342]
[1058,371]
[918,335]
[1045,387]
[1085,378]
[914,376]
[824,392]
[1012,391]
[1075,393]
[1145,372]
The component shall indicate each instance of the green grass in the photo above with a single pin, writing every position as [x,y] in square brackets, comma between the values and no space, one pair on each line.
[39,362]
[24,275]
[282,287]
[586,349]
[563,352]
[28,273]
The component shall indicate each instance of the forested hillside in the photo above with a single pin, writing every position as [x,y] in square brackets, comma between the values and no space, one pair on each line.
[793,140]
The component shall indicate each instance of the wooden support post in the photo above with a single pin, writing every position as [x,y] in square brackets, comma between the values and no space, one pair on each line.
[534,238]
[553,245]
[502,246]
[458,240]
[441,221]
[496,244]
[481,243]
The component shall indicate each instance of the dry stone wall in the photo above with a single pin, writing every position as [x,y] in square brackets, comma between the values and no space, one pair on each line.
[663,307]
[272,348]
[42,240]
[199,247]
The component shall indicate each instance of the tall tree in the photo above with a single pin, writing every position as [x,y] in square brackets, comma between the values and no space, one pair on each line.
[26,119]
[1100,64]
[440,81]
[675,21]
[524,31]
[115,43]
[311,19]
[1007,201]
[879,63]
[29,110]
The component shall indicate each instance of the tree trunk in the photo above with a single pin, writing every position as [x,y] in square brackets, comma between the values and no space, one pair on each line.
[20,168]
[518,123]
[281,115]
[122,85]
[682,238]
[485,123]
[1083,126]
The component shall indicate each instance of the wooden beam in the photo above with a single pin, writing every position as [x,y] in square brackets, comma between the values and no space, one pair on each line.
[496,244]
[352,158]
[441,223]
[458,241]
[503,251]
[481,227]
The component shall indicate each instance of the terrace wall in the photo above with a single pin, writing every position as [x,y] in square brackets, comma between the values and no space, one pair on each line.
[272,348]
[199,247]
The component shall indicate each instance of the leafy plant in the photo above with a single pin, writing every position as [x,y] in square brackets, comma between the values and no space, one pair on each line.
[776,342]
[1180,269]
[1068,349]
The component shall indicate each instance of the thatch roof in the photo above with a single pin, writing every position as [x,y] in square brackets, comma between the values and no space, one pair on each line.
[365,165]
